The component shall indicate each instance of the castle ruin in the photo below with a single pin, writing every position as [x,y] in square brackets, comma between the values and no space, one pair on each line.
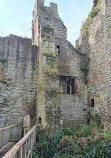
[51,80]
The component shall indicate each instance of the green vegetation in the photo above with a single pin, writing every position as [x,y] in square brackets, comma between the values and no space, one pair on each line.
[85,69]
[92,14]
[89,141]
[3,60]
[68,132]
[48,86]
[83,132]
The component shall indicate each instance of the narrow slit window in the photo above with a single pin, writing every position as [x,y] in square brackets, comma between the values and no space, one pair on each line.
[68,89]
[58,49]
[73,86]
[68,86]
[92,103]
[39,120]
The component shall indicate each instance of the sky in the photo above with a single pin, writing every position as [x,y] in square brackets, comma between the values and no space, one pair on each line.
[16,16]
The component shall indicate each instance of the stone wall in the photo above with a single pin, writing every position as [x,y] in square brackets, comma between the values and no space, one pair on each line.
[74,107]
[48,97]
[47,16]
[71,107]
[30,75]
[95,42]
[18,87]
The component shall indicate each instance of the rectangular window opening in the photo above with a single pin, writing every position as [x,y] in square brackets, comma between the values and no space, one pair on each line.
[71,86]
[92,103]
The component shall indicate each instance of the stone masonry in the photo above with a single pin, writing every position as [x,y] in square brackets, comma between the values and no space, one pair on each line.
[18,88]
[48,78]
[95,41]
[69,108]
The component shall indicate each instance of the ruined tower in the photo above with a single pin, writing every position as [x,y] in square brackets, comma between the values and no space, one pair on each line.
[60,86]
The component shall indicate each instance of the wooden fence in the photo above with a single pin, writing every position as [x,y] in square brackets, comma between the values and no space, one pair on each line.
[24,148]
[10,133]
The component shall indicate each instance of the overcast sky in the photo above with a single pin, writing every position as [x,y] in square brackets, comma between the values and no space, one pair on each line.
[16,16]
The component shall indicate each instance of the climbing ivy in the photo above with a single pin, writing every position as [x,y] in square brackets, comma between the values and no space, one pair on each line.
[48,85]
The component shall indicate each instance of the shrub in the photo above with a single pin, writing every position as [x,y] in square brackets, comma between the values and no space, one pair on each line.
[108,134]
[93,12]
[100,149]
[67,145]
[66,156]
[48,147]
[61,144]
[68,132]
[97,119]
[83,132]
[35,156]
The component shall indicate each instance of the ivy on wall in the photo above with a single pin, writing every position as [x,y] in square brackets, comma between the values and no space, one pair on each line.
[49,91]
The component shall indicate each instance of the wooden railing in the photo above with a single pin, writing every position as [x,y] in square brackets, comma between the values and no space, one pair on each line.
[24,148]
[10,133]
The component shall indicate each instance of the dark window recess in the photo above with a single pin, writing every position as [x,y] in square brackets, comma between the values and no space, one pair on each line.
[68,81]
[92,103]
[58,49]
[68,89]
[71,86]
[39,120]
[73,90]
